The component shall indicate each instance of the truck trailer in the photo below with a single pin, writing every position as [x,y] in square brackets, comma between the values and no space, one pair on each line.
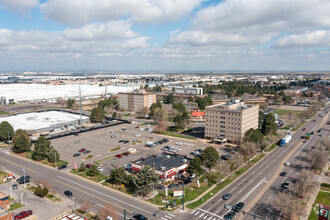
[285,140]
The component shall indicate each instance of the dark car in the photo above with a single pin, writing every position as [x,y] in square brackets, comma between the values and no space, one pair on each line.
[62,167]
[119,155]
[224,157]
[229,215]
[88,166]
[238,207]
[160,186]
[68,193]
[172,185]
[22,181]
[126,142]
[314,120]
[125,154]
[86,152]
[304,129]
[283,173]
[82,150]
[23,214]
[137,127]
[166,140]
[121,141]
[15,186]
[226,196]
[140,217]
[76,155]
[312,132]
[318,131]
[187,181]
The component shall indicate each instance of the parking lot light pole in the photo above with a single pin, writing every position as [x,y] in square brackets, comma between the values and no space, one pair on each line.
[11,192]
[75,203]
[22,199]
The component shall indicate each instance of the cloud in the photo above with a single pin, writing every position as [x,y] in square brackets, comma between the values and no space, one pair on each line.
[77,12]
[318,38]
[19,6]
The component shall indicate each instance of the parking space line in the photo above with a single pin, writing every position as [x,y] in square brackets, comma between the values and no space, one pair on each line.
[196,213]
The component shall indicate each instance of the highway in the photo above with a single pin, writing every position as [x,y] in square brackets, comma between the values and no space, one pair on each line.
[258,180]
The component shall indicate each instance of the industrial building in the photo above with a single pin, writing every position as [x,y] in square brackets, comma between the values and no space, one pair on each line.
[230,121]
[44,122]
[188,91]
[136,101]
[15,93]
[249,100]
[167,166]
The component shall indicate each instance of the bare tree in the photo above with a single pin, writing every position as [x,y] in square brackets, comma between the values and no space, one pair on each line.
[143,112]
[318,158]
[306,185]
[48,185]
[85,206]
[223,170]
[290,206]
[108,210]
[160,127]
[248,150]
[37,181]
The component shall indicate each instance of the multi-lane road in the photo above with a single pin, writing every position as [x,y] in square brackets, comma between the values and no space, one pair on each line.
[253,187]
[256,186]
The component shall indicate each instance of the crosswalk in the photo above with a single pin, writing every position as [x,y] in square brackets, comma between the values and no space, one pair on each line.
[168,216]
[205,215]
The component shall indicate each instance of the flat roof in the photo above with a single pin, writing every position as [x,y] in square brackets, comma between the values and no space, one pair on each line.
[40,120]
[166,160]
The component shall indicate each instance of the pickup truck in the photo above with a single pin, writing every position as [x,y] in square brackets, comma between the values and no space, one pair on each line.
[23,214]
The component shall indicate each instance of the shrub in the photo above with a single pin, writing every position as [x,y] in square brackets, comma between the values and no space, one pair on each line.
[42,192]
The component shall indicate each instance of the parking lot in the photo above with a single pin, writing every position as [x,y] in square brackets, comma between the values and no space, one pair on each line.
[100,142]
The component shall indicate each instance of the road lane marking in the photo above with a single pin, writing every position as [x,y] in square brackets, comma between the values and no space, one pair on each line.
[163,218]
[19,165]
[253,172]
[210,217]
[251,191]
[267,166]
[210,213]
[202,214]
[193,212]
[205,216]
[168,216]
[98,193]
[196,213]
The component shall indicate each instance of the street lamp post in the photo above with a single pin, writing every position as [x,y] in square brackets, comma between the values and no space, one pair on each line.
[75,203]
[22,199]
[24,176]
[11,192]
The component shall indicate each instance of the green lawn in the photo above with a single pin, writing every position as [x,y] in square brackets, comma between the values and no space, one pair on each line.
[322,197]
[174,134]
[272,147]
[14,206]
[325,187]
[299,126]
[114,149]
[3,174]
[286,112]
[96,178]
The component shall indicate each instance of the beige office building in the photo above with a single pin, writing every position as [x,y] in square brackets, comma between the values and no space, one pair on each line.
[136,101]
[230,121]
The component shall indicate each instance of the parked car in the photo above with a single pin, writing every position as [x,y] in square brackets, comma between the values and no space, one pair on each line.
[287,163]
[119,155]
[137,135]
[321,135]
[139,217]
[68,193]
[224,157]
[166,140]
[283,173]
[125,142]
[125,154]
[178,143]
[173,185]
[137,127]
[121,141]
[226,196]
[100,169]
[113,136]
[62,167]
[23,214]
[135,140]
[238,207]
[86,152]
[76,155]
[286,185]
[229,216]
[304,129]
[88,166]
[82,150]
[15,186]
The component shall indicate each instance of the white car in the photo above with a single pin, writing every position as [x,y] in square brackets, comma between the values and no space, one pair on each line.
[100,168]
[287,164]
[191,176]
[179,143]
[137,135]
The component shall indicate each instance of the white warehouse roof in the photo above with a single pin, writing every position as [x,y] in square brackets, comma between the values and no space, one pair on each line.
[41,120]
[31,92]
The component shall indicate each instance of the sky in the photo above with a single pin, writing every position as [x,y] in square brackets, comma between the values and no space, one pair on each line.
[186,35]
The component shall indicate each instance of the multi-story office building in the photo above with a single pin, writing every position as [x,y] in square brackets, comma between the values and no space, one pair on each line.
[230,121]
[136,101]
[188,91]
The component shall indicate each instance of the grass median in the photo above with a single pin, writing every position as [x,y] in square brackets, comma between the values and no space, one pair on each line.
[322,197]
[97,178]
[174,134]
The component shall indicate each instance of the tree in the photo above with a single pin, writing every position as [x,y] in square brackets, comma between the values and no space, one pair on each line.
[287,99]
[143,112]
[114,115]
[146,87]
[118,176]
[195,166]
[157,88]
[82,168]
[159,114]
[201,102]
[52,155]
[253,135]
[247,149]
[145,179]
[85,206]
[210,157]
[179,106]
[269,126]
[42,192]
[97,115]
[21,144]
[93,171]
[169,99]
[261,119]
[181,120]
[6,131]
[42,149]
[49,186]
[305,184]
[281,93]
[153,107]
[70,103]
[108,211]
[161,127]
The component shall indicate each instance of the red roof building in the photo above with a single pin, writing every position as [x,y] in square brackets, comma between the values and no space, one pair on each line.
[197,114]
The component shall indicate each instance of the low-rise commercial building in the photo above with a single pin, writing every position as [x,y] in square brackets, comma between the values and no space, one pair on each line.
[136,101]
[188,91]
[167,166]
[230,121]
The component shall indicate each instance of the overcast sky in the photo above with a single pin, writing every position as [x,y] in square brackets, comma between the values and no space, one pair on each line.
[164,35]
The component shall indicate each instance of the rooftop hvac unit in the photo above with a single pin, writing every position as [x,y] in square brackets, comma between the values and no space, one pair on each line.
[163,168]
[167,156]
[184,161]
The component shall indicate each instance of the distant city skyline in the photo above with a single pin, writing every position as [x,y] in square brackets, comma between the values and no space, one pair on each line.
[160,35]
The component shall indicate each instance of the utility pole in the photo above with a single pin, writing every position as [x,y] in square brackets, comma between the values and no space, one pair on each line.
[11,192]
[22,199]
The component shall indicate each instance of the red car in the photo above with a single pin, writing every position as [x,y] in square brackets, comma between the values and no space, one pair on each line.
[23,214]
[88,166]
[137,127]
[125,154]
[119,155]
[82,150]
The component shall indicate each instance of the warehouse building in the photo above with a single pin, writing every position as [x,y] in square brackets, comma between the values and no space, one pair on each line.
[167,166]
[136,101]
[188,91]
[44,122]
[230,121]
